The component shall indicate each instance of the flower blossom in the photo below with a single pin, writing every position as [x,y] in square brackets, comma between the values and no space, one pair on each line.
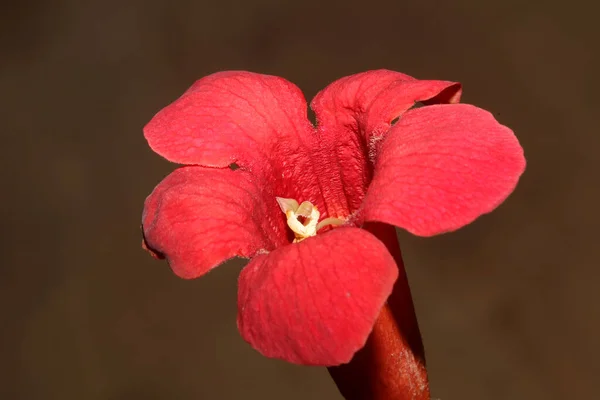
[301,194]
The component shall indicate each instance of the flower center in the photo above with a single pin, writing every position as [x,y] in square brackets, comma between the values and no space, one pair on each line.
[303,219]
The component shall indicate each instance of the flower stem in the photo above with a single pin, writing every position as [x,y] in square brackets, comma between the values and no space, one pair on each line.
[391,365]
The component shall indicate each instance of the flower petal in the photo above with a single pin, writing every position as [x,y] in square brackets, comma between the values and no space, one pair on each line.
[315,302]
[258,122]
[442,166]
[369,101]
[228,117]
[352,113]
[199,217]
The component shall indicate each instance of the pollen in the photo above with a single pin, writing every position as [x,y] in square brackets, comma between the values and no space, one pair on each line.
[303,218]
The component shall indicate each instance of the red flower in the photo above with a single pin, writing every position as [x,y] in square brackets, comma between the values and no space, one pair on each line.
[308,297]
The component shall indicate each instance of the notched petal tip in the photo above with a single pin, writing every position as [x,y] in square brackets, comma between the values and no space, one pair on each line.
[153,253]
[315,302]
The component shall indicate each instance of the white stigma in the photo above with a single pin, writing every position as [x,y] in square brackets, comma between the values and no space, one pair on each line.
[303,219]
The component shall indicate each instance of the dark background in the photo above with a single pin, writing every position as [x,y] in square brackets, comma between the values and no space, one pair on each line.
[508,306]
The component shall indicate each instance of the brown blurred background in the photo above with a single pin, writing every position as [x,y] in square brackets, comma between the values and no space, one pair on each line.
[508,306]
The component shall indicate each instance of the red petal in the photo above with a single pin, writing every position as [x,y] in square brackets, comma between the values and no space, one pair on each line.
[351,111]
[368,102]
[228,117]
[441,167]
[315,302]
[257,121]
[199,217]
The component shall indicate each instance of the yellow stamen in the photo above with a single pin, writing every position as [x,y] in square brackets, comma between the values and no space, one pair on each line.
[310,214]
[329,221]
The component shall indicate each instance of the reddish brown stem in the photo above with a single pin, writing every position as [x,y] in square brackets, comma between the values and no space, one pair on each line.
[391,366]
